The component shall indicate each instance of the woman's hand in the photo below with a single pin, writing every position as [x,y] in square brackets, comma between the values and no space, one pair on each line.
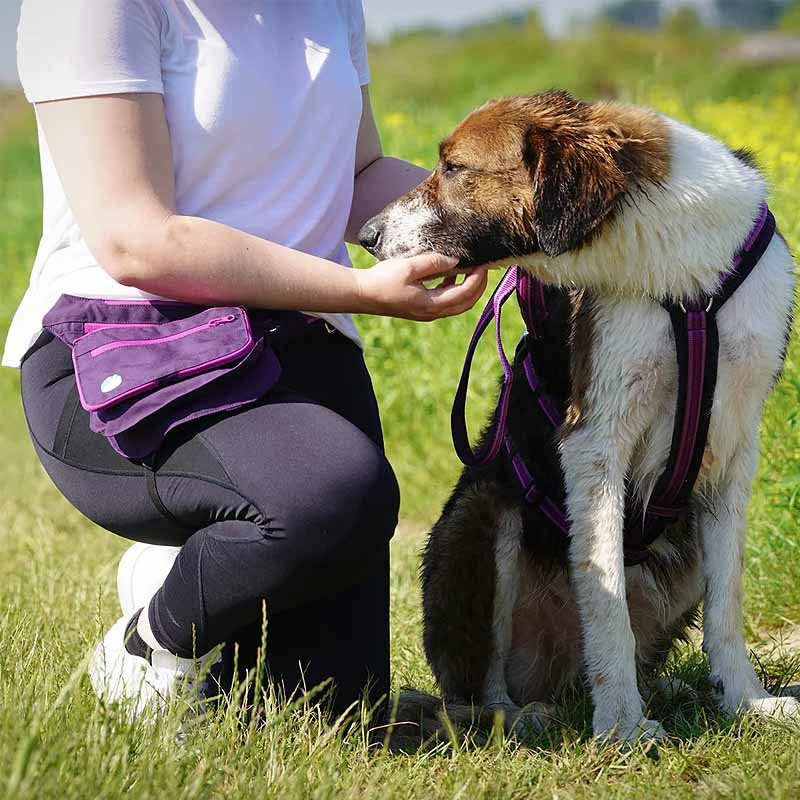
[395,288]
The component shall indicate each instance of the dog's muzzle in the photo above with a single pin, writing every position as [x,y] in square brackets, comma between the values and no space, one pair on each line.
[371,234]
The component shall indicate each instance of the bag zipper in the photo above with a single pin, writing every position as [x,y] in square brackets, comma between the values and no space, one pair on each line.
[212,323]
[92,327]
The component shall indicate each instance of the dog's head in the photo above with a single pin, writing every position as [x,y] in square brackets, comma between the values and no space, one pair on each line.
[524,175]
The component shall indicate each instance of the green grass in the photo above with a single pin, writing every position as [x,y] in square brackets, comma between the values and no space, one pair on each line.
[57,570]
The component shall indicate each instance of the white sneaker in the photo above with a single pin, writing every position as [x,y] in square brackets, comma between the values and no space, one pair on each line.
[142,570]
[145,684]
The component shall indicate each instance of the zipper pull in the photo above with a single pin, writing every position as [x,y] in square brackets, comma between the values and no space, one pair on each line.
[212,323]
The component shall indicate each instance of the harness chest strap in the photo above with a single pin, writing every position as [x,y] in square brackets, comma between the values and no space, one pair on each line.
[697,347]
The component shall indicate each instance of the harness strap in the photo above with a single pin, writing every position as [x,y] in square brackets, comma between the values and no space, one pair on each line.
[532,301]
[750,254]
[533,306]
[697,350]
[458,418]
[696,336]
[533,495]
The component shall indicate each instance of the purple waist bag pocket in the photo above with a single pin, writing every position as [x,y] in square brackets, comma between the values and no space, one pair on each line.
[143,368]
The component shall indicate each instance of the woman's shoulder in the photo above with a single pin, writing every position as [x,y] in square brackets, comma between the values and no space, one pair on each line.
[91,47]
[88,14]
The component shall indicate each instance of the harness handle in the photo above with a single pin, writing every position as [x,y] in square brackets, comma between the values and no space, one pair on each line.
[458,416]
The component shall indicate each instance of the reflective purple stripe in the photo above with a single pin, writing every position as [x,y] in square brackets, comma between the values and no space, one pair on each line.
[545,402]
[695,375]
[534,495]
[532,301]
[524,298]
[507,287]
[498,427]
[519,465]
[555,514]
[539,310]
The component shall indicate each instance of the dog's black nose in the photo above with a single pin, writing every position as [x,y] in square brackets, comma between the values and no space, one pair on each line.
[369,236]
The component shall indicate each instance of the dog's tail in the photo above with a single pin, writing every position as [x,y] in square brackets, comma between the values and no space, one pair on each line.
[418,719]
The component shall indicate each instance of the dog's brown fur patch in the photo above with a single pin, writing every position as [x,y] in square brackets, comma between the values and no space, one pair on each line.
[550,167]
[644,139]
[524,175]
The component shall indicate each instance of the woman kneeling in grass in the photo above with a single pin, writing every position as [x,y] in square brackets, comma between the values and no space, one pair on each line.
[219,154]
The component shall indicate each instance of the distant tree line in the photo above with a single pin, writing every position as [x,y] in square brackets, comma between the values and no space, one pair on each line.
[743,14]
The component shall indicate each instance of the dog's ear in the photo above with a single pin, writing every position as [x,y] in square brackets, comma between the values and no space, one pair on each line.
[576,182]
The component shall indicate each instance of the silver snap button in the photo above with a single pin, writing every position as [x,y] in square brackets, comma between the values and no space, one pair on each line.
[110,383]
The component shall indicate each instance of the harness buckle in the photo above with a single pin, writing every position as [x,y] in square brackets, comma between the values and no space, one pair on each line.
[682,307]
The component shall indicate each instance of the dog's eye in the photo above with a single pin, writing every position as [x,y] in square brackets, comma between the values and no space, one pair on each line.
[448,169]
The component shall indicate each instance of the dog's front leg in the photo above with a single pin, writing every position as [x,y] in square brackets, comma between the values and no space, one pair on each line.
[595,479]
[723,529]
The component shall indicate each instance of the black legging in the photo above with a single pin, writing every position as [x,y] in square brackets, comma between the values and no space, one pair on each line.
[290,501]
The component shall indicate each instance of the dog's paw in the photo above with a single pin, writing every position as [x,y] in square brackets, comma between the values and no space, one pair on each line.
[670,690]
[530,720]
[773,707]
[642,731]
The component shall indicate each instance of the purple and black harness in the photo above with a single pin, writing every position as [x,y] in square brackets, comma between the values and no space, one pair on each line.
[697,347]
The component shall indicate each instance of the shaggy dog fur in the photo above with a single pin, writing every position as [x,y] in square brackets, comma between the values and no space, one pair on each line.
[615,208]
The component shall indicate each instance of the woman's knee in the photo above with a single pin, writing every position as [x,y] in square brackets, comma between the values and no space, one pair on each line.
[383,497]
[356,506]
[315,548]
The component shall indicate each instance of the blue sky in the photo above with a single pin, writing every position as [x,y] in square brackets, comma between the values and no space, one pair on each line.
[383,16]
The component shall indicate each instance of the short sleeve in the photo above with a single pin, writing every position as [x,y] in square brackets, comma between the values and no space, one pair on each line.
[90,47]
[358,41]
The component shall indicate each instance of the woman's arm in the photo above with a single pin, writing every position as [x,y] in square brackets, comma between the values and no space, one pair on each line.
[114,159]
[379,179]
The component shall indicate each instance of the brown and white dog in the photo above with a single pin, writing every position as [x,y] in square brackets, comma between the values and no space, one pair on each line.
[621,208]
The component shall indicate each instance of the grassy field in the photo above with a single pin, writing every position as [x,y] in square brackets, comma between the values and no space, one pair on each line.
[57,570]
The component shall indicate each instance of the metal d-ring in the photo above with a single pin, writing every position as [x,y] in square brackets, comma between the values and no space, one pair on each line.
[707,308]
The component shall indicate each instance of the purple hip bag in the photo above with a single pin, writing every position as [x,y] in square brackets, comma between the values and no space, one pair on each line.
[145,367]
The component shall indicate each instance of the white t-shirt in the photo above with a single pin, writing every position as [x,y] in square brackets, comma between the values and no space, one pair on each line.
[263,103]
